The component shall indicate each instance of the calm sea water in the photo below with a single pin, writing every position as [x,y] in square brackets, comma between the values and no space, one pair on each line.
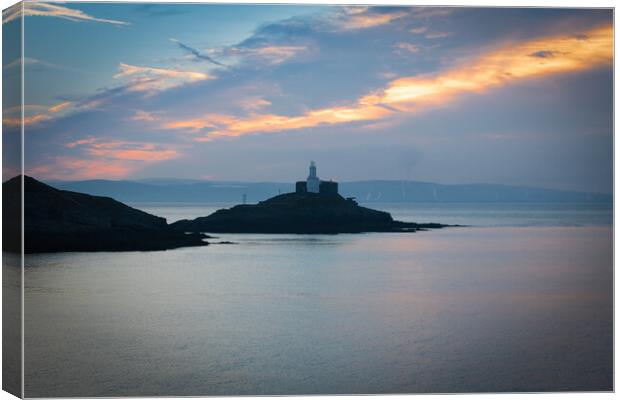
[520,302]
[475,214]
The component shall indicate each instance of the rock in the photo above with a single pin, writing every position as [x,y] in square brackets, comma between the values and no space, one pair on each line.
[58,220]
[303,213]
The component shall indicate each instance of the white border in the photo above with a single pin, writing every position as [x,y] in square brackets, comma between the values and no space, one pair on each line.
[479,3]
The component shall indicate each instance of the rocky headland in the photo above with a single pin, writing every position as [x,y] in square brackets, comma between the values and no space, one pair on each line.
[301,213]
[59,220]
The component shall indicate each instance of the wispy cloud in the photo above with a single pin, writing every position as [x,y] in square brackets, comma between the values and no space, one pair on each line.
[503,66]
[363,17]
[142,115]
[404,47]
[270,54]
[359,17]
[41,9]
[253,103]
[197,124]
[123,150]
[436,35]
[35,118]
[59,107]
[33,61]
[433,12]
[64,167]
[151,80]
[100,158]
[197,55]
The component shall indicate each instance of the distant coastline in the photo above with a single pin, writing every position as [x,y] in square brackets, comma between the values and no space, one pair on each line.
[371,191]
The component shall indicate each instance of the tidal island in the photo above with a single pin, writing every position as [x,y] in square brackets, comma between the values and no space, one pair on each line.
[315,207]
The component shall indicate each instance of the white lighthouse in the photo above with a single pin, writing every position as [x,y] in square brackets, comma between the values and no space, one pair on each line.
[313,182]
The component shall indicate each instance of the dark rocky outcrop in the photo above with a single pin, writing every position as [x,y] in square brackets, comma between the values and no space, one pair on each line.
[58,220]
[304,213]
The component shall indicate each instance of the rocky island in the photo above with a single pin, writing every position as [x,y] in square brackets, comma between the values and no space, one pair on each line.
[58,220]
[315,207]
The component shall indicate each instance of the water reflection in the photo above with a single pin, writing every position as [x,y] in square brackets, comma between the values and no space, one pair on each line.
[457,310]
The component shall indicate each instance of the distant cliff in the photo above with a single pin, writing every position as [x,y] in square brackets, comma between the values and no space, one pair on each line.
[176,190]
[59,220]
[304,213]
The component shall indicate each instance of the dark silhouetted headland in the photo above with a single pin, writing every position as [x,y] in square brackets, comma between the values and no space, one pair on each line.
[58,220]
[303,213]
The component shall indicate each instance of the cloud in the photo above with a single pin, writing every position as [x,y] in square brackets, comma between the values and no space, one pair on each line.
[99,158]
[358,17]
[228,125]
[59,107]
[543,54]
[363,17]
[33,61]
[141,115]
[41,9]
[407,47]
[198,55]
[35,118]
[197,124]
[274,54]
[253,103]
[124,150]
[437,35]
[151,80]
[503,66]
[26,107]
[433,12]
[418,30]
[80,142]
[63,167]
[507,64]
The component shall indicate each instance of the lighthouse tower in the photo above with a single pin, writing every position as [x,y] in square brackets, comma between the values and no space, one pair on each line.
[313,181]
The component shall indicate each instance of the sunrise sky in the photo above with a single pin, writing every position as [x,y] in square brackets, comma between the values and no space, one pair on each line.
[254,92]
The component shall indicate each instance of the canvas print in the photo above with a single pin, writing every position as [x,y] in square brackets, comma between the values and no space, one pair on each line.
[251,199]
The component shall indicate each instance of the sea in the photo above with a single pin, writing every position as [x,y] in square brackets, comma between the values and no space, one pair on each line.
[517,298]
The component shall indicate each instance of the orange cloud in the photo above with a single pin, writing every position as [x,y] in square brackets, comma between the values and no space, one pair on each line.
[511,63]
[132,151]
[226,125]
[197,124]
[76,168]
[36,118]
[358,17]
[100,159]
[122,150]
[514,62]
[59,107]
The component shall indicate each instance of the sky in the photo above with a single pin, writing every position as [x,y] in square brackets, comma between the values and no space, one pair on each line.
[517,96]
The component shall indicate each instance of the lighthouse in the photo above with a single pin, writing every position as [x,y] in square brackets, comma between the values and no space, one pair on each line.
[312,183]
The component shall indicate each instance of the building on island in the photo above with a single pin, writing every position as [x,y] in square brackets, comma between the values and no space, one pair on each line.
[314,185]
